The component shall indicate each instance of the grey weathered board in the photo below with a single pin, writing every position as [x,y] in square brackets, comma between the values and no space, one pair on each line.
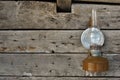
[55,78]
[42,15]
[53,41]
[108,1]
[51,65]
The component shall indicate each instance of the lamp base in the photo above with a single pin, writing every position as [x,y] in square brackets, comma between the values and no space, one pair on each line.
[95,64]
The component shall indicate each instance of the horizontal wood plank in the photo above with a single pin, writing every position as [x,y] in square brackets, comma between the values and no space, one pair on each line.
[53,41]
[107,1]
[42,15]
[51,65]
[55,78]
[103,1]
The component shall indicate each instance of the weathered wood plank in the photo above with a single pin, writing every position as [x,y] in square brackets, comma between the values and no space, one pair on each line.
[51,65]
[107,1]
[55,78]
[42,15]
[53,41]
[103,1]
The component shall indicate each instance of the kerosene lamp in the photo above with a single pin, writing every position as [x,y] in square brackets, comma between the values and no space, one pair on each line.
[93,39]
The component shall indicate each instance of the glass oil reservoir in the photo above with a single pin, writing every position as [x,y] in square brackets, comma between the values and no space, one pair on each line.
[93,39]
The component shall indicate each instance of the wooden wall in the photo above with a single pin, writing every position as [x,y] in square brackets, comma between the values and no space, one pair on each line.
[36,43]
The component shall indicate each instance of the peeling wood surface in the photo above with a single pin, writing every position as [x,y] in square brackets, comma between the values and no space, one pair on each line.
[42,15]
[51,65]
[53,41]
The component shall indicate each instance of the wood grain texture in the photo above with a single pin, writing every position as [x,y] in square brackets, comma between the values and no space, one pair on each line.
[51,65]
[42,15]
[55,78]
[53,41]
